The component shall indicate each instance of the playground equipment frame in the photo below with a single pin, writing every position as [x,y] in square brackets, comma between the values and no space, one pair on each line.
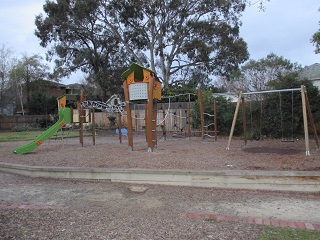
[305,109]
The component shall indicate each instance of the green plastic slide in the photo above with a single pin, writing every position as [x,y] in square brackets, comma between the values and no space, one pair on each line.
[64,118]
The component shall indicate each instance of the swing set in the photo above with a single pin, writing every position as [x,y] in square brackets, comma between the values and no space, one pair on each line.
[305,109]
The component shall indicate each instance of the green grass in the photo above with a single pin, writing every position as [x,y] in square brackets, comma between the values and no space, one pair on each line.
[274,233]
[31,135]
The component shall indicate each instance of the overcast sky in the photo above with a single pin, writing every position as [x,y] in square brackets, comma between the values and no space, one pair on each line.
[285,28]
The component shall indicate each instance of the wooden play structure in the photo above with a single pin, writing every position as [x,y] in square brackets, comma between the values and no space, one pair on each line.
[73,101]
[305,109]
[142,85]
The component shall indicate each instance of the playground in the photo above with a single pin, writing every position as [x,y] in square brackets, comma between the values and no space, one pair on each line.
[173,153]
[154,149]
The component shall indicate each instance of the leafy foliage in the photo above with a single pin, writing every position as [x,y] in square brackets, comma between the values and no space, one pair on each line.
[75,34]
[280,114]
[170,37]
[41,104]
[256,75]
[225,111]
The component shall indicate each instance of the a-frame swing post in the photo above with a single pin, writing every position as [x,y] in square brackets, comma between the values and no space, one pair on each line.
[305,120]
[311,120]
[234,119]
[244,120]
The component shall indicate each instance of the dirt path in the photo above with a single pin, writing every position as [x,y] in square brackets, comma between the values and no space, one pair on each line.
[52,209]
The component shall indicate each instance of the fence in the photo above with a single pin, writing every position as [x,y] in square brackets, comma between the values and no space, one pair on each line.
[175,115]
[16,121]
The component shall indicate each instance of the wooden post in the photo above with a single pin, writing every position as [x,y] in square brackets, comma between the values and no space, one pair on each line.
[189,120]
[150,106]
[201,112]
[164,131]
[71,113]
[81,116]
[154,124]
[129,117]
[305,120]
[93,127]
[119,127]
[244,121]
[234,119]
[215,119]
[312,121]
[145,121]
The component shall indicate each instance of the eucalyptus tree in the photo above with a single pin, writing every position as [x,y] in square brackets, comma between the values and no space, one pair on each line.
[316,39]
[6,62]
[168,36]
[256,75]
[26,70]
[77,40]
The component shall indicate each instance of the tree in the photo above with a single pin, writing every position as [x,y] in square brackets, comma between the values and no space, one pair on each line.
[6,62]
[256,75]
[168,36]
[286,117]
[79,40]
[316,40]
[25,71]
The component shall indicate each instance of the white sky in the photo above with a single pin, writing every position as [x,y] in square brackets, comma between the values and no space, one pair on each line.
[285,28]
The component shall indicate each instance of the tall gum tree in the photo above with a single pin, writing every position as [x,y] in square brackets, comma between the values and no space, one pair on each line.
[168,36]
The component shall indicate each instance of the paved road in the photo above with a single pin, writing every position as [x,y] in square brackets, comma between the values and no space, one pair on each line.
[64,209]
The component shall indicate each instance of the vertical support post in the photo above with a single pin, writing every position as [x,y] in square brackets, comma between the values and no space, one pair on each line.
[71,113]
[129,117]
[244,121]
[119,127]
[93,127]
[305,120]
[150,106]
[164,131]
[201,112]
[215,119]
[234,119]
[312,121]
[146,121]
[154,124]
[81,116]
[189,120]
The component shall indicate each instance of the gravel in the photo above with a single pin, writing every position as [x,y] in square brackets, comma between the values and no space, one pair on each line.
[173,153]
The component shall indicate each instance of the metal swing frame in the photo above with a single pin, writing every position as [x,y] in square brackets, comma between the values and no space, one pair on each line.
[305,109]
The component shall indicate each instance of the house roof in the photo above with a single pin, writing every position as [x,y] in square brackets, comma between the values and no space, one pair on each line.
[311,72]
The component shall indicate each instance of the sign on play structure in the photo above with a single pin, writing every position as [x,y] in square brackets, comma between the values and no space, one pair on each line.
[138,91]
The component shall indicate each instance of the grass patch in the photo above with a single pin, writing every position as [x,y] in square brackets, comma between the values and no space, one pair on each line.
[31,135]
[274,233]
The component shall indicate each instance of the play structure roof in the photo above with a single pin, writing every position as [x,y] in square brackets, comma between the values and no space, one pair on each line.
[138,72]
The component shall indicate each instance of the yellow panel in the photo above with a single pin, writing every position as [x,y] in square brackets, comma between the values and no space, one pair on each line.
[130,78]
[62,102]
[146,75]
[157,90]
